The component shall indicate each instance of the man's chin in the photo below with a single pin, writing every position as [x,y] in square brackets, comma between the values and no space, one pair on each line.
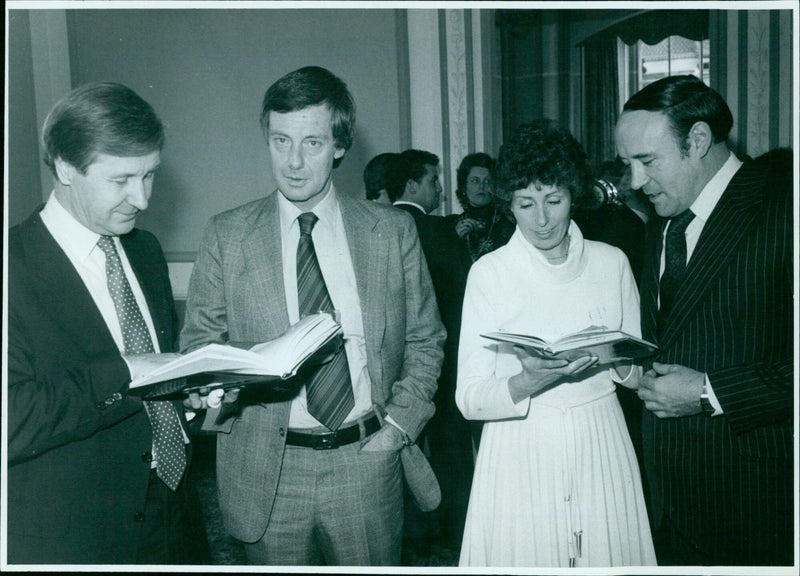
[121,228]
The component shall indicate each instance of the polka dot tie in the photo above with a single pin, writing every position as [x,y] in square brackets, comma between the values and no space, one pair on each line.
[329,392]
[168,443]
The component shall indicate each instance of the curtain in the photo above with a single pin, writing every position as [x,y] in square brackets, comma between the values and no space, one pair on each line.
[601,70]
[653,26]
[601,93]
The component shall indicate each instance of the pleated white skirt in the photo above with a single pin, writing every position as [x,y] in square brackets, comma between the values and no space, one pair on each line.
[558,488]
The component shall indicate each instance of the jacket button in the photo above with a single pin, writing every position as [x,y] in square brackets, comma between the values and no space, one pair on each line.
[138,517]
[147,457]
[282,432]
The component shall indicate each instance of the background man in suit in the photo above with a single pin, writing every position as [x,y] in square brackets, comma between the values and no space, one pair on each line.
[413,180]
[87,477]
[717,299]
[342,502]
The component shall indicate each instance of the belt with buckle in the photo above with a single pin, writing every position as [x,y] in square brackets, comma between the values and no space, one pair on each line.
[331,440]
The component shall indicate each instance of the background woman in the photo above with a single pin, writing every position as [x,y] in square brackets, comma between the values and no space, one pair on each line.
[483,225]
[556,480]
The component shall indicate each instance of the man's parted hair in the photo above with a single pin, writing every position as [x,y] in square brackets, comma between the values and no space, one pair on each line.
[408,165]
[100,118]
[312,86]
[685,100]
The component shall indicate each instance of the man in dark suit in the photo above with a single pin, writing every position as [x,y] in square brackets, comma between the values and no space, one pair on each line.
[414,183]
[304,481]
[716,297]
[88,481]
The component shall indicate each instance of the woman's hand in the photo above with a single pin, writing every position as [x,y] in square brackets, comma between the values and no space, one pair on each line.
[539,373]
[466,226]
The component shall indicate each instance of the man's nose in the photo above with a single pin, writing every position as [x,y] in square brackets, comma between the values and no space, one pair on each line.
[139,193]
[639,175]
[295,157]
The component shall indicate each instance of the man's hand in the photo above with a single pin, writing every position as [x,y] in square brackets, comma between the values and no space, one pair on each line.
[671,390]
[389,437]
[213,399]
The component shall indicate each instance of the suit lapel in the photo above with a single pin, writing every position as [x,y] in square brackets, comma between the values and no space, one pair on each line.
[64,293]
[369,252]
[262,253]
[727,226]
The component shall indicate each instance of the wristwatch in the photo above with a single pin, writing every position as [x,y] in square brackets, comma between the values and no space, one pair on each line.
[705,404]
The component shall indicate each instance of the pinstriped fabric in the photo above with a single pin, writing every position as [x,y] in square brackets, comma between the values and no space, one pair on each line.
[724,482]
[330,391]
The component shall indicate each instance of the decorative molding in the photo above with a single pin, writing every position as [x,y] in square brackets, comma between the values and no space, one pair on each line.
[758,82]
[448,100]
[457,98]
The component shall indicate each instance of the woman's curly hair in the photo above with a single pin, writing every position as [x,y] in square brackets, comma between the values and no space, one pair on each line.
[542,151]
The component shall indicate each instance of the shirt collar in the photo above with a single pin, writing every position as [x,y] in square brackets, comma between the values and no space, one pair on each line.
[398,202]
[71,235]
[705,203]
[325,210]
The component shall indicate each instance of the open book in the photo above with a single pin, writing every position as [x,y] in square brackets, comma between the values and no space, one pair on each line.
[313,337]
[607,345]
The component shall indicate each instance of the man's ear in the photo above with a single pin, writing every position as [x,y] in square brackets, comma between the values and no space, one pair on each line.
[700,138]
[64,171]
[411,187]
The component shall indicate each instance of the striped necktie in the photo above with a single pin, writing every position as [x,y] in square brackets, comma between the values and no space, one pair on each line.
[329,392]
[674,262]
[168,443]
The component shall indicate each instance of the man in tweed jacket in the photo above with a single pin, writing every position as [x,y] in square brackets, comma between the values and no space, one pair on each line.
[339,504]
[718,421]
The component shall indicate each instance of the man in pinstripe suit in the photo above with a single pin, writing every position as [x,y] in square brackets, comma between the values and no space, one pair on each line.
[719,395]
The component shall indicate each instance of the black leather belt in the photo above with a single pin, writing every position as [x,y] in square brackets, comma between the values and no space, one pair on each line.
[331,440]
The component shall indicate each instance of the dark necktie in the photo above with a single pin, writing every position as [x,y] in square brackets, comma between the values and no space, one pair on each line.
[167,434]
[674,261]
[329,392]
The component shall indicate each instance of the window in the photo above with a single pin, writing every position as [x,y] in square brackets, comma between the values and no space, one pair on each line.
[641,64]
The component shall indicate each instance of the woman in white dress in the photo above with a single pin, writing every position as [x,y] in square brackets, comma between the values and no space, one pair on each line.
[556,481]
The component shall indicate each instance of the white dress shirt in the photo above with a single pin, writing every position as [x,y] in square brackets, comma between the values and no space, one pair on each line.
[702,208]
[80,245]
[336,263]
